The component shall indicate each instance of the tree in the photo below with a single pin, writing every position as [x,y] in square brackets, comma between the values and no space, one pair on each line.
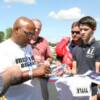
[52,44]
[1,36]
[8,33]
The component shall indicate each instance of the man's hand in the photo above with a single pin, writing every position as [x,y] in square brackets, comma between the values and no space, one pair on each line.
[41,70]
[47,63]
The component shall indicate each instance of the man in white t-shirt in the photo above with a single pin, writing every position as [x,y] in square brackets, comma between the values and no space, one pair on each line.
[16,52]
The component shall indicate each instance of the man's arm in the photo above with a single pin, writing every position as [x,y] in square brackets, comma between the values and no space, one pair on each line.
[97,64]
[13,76]
[49,55]
[74,67]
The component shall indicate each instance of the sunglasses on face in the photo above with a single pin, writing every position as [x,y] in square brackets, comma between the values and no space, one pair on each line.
[75,32]
[29,33]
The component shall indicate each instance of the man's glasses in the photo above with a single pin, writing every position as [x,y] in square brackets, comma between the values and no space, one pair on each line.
[29,33]
[75,32]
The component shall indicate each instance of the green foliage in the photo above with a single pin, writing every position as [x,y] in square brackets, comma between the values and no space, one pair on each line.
[5,35]
[52,44]
[1,36]
[8,32]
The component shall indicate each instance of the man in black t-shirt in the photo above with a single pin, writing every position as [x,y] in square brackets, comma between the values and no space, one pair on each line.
[75,35]
[87,55]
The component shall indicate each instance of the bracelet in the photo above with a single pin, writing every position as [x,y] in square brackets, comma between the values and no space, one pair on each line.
[30,74]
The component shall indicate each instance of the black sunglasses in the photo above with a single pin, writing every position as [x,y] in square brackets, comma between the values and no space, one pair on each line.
[75,32]
[29,33]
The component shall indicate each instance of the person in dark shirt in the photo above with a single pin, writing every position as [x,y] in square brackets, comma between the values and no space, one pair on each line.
[87,55]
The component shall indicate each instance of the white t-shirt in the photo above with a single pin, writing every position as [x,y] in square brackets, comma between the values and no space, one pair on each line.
[11,54]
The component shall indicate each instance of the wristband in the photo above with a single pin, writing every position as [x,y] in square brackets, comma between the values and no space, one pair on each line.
[30,74]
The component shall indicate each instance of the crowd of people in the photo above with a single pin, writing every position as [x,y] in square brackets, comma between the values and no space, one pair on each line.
[25,57]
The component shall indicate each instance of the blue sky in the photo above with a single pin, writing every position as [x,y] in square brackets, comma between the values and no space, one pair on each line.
[56,15]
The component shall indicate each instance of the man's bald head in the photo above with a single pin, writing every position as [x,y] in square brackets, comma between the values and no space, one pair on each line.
[23,31]
[22,22]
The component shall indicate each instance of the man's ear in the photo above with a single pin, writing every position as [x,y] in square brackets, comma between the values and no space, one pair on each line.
[94,30]
[16,30]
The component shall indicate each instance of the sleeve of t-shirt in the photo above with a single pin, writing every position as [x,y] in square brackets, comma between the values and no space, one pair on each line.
[48,51]
[4,62]
[97,57]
